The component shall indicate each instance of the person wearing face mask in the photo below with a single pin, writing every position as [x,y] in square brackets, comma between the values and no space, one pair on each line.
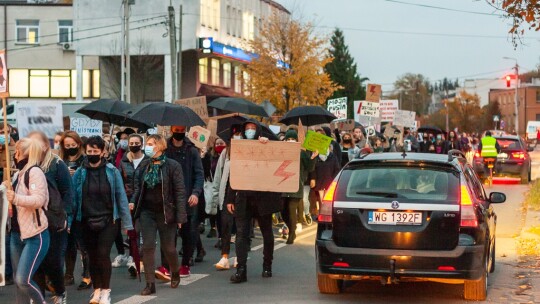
[158,205]
[100,200]
[349,150]
[122,145]
[72,153]
[209,165]
[452,143]
[29,236]
[57,139]
[439,144]
[326,168]
[425,143]
[182,150]
[246,205]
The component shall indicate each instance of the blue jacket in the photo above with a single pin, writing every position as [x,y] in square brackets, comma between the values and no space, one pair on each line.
[118,195]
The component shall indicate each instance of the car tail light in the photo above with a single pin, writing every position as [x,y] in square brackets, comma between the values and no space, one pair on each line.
[477,155]
[325,214]
[518,155]
[468,215]
[341,264]
[446,268]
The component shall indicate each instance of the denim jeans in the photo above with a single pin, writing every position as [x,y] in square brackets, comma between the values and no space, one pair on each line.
[26,256]
[52,265]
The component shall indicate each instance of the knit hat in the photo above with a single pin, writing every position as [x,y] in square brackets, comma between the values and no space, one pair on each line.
[291,134]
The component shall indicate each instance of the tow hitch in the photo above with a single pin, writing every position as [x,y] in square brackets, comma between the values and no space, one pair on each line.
[391,279]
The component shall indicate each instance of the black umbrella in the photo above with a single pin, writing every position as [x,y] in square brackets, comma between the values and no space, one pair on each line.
[111,111]
[224,127]
[238,105]
[430,129]
[309,115]
[165,114]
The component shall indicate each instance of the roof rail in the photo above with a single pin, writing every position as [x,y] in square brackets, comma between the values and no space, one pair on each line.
[455,153]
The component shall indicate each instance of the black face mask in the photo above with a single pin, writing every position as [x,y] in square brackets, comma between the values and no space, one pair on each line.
[94,159]
[72,151]
[20,164]
[347,141]
[135,149]
[179,136]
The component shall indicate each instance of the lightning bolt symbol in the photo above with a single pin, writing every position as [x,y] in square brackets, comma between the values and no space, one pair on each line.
[372,91]
[281,171]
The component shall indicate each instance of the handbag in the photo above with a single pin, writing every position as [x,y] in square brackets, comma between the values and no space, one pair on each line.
[210,208]
[98,223]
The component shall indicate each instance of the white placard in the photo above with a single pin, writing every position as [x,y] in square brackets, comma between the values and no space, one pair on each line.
[368,108]
[388,109]
[45,116]
[338,107]
[86,126]
[405,118]
[370,131]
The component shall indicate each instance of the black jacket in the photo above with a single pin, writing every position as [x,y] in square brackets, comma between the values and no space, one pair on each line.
[174,192]
[190,159]
[127,170]
[325,171]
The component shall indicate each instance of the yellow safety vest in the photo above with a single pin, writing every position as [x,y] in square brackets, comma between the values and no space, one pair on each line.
[488,147]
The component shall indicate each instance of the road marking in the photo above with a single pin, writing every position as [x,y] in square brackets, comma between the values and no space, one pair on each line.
[305,236]
[282,241]
[136,299]
[194,277]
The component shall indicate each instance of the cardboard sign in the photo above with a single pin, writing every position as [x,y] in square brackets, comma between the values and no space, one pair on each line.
[343,125]
[301,132]
[86,126]
[199,136]
[3,162]
[368,108]
[338,107]
[197,104]
[273,166]
[316,142]
[373,92]
[388,109]
[404,118]
[370,131]
[3,74]
[40,115]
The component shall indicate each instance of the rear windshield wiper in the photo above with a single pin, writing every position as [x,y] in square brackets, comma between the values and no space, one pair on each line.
[377,193]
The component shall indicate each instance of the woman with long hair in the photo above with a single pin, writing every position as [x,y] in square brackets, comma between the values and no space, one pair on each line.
[29,234]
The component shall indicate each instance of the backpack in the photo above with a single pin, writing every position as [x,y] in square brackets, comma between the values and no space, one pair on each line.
[55,212]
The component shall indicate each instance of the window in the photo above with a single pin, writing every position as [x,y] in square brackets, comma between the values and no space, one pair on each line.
[537,95]
[228,20]
[65,31]
[232,21]
[27,31]
[227,74]
[237,82]
[39,83]
[60,83]
[18,83]
[215,71]
[52,83]
[239,33]
[95,83]
[203,70]
[215,14]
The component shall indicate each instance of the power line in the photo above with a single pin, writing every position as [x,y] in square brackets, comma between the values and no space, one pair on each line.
[444,8]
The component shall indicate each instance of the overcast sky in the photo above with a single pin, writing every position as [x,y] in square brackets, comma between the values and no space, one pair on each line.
[437,50]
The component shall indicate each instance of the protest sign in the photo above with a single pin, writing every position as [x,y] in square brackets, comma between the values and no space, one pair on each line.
[273,166]
[301,132]
[45,116]
[197,104]
[373,92]
[388,110]
[338,107]
[368,108]
[404,118]
[3,161]
[3,74]
[343,124]
[370,131]
[199,136]
[86,126]
[316,142]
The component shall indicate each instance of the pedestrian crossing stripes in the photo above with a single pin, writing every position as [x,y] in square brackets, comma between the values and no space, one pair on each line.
[136,300]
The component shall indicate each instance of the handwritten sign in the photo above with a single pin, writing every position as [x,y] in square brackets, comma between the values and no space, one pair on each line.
[338,107]
[370,131]
[273,166]
[3,74]
[388,109]
[368,108]
[42,115]
[373,92]
[197,104]
[199,136]
[404,118]
[86,126]
[316,142]
[343,125]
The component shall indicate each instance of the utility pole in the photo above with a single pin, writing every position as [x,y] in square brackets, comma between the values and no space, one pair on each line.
[125,90]
[172,43]
[516,106]
[179,68]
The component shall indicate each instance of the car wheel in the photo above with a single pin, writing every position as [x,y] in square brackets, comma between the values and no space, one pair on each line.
[476,290]
[328,285]
[525,178]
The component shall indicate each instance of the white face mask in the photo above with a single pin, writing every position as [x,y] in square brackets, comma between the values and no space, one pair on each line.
[323,157]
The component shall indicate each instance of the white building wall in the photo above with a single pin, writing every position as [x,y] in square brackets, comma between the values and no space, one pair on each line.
[481,87]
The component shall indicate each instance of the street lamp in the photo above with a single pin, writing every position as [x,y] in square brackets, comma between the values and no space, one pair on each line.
[516,109]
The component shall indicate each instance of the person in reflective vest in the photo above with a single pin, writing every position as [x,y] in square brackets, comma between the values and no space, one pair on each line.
[489,146]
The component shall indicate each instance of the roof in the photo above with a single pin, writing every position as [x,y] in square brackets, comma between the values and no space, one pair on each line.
[277,5]
[432,157]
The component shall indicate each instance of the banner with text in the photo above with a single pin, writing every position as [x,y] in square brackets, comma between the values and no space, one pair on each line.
[197,104]
[316,142]
[338,107]
[86,126]
[368,108]
[388,109]
[45,116]
[404,118]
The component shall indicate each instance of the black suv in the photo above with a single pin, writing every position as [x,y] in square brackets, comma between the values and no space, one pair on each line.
[396,217]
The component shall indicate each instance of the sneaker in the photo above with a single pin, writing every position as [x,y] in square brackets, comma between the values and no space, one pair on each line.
[200,255]
[298,227]
[105,296]
[96,296]
[85,284]
[59,299]
[131,268]
[212,233]
[120,261]
[223,264]
[163,274]
[184,271]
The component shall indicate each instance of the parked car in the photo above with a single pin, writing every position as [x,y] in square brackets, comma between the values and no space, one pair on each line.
[532,127]
[513,161]
[394,217]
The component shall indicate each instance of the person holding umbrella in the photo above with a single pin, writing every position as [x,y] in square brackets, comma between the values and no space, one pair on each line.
[158,204]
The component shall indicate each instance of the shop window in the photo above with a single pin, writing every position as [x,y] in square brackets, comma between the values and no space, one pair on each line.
[215,71]
[227,74]
[203,70]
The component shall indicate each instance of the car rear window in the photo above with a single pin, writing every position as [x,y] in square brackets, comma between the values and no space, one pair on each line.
[510,144]
[407,183]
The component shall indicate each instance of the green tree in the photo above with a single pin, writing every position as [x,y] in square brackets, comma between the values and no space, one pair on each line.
[343,71]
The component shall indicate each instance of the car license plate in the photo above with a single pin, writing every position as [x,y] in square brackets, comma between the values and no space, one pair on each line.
[394,218]
[502,155]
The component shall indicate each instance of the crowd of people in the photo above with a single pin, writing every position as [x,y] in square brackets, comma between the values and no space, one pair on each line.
[75,196]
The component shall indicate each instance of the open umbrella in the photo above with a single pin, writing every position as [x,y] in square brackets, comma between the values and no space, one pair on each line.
[430,129]
[224,127]
[134,251]
[111,111]
[310,116]
[165,114]
[238,105]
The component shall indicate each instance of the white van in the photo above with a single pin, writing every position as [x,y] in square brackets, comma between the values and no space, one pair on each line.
[532,127]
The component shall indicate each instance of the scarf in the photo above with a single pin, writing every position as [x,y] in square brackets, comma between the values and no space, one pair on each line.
[152,175]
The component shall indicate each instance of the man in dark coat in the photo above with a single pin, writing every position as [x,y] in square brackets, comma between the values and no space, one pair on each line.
[246,205]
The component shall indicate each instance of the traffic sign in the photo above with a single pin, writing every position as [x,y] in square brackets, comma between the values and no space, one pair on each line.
[496,118]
